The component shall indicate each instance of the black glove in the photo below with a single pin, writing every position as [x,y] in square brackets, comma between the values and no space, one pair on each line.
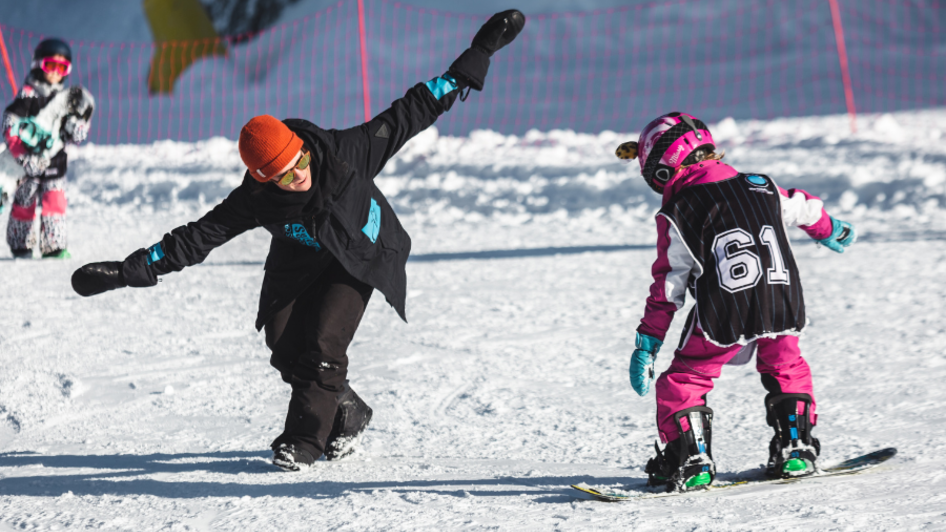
[499,31]
[471,67]
[81,103]
[98,277]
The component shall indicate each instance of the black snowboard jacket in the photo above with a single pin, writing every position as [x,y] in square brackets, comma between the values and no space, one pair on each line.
[343,216]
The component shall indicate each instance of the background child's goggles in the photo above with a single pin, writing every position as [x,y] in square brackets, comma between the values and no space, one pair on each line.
[51,65]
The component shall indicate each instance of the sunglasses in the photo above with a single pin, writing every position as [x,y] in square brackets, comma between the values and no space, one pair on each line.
[51,65]
[287,178]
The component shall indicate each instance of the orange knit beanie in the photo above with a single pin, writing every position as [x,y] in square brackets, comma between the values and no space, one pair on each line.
[267,146]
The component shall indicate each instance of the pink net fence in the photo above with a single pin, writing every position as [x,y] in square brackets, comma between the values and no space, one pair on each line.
[611,69]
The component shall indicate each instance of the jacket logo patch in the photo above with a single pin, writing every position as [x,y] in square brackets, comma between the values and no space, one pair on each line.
[383,131]
[374,222]
[759,184]
[298,233]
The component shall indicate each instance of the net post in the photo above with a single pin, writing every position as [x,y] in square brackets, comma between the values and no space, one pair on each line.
[6,63]
[842,58]
[364,59]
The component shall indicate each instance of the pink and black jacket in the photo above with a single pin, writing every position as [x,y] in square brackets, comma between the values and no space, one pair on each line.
[721,234]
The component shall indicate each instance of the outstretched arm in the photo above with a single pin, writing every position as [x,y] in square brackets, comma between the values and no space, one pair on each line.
[799,208]
[368,147]
[806,211]
[185,246]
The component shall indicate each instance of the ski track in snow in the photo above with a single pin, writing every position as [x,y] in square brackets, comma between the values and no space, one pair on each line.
[153,409]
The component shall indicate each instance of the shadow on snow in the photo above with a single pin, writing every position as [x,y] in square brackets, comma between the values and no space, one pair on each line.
[120,475]
[488,254]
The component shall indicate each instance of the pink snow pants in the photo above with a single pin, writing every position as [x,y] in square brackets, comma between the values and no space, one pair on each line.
[690,377]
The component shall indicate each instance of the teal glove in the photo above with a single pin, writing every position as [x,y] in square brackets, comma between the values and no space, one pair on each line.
[642,363]
[842,236]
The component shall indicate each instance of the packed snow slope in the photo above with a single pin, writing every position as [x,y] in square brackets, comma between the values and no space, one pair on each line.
[153,409]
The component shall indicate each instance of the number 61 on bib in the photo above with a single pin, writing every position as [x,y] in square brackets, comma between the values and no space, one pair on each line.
[738,268]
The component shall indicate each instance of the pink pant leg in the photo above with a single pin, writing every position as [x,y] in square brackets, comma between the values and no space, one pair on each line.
[54,202]
[53,228]
[784,370]
[688,379]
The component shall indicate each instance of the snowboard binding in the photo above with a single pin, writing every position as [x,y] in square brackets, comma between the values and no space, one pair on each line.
[686,464]
[793,451]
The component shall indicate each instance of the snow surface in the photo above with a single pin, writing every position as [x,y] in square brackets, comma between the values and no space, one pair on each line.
[153,409]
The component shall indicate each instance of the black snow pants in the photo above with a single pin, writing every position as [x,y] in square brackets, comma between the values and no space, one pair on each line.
[309,340]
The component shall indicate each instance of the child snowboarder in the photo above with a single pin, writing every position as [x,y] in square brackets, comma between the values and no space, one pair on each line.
[43,117]
[721,234]
[335,240]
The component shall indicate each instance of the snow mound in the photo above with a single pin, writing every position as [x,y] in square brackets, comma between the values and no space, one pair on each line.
[887,176]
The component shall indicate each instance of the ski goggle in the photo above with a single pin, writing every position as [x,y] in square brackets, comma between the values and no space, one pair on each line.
[52,65]
[287,178]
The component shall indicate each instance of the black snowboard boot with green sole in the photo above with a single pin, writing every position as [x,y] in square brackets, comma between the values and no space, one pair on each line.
[686,463]
[793,451]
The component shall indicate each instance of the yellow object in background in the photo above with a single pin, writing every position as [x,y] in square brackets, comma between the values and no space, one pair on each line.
[627,150]
[183,34]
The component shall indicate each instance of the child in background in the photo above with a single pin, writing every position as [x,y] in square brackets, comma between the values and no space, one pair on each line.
[43,117]
[721,234]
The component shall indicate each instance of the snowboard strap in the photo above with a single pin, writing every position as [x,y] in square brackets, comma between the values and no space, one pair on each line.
[695,425]
[790,415]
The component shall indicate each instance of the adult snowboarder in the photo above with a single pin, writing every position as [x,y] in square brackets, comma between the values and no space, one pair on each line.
[721,234]
[335,240]
[44,117]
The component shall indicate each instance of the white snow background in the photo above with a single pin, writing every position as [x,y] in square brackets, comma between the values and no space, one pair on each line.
[153,409]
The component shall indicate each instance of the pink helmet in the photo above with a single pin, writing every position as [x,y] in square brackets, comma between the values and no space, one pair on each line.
[669,142]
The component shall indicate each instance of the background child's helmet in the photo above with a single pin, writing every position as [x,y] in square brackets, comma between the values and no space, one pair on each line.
[51,47]
[667,143]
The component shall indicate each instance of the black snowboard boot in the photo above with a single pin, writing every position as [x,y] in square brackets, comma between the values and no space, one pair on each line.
[686,463]
[351,419]
[288,457]
[793,451]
